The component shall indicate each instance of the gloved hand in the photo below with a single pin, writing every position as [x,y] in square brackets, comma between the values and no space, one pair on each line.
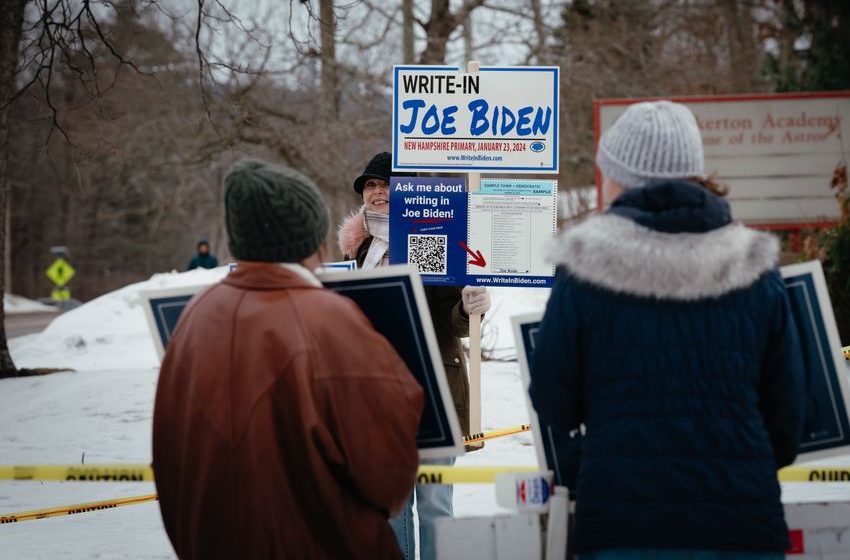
[476,301]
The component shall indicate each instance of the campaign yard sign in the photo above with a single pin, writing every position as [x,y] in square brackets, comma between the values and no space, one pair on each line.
[393,300]
[428,224]
[526,330]
[496,236]
[826,431]
[163,309]
[498,119]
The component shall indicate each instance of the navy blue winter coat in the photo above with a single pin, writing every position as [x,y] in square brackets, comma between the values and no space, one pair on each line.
[668,335]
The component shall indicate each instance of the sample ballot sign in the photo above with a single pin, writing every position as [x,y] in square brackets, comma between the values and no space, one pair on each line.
[498,119]
[513,220]
[492,237]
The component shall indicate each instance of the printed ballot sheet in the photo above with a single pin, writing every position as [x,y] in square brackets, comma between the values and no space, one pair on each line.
[511,222]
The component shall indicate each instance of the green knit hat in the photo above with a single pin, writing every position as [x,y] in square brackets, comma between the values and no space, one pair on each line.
[273,214]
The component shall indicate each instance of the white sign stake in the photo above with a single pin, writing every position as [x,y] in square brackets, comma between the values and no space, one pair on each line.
[473,183]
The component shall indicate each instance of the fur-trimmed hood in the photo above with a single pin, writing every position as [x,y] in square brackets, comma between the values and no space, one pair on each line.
[352,233]
[620,255]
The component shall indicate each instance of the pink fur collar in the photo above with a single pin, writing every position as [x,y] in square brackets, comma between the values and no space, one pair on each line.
[352,233]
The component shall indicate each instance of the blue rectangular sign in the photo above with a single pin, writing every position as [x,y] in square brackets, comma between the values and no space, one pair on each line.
[826,426]
[390,303]
[389,298]
[428,223]
[496,236]
[826,429]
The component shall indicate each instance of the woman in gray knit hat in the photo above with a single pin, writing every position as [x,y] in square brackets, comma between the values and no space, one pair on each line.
[667,365]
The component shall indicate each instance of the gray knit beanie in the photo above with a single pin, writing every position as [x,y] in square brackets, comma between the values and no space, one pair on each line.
[273,214]
[651,140]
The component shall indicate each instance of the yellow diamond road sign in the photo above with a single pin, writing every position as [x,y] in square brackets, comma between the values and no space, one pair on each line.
[60,272]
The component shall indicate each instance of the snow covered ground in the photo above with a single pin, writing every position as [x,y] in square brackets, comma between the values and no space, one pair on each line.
[102,412]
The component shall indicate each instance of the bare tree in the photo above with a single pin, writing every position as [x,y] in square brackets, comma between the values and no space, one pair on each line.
[11,22]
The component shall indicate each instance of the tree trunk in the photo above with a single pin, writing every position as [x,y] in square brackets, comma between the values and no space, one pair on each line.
[330,97]
[11,21]
[439,28]
[741,44]
[408,37]
[541,53]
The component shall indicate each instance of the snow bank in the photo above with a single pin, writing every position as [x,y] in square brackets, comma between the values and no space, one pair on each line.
[109,332]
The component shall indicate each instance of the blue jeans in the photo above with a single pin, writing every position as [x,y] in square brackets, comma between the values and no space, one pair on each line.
[652,554]
[432,501]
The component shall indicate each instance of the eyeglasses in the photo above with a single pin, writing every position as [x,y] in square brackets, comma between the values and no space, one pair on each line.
[374,183]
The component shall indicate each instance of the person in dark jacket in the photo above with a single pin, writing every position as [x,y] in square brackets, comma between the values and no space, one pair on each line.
[668,355]
[364,236]
[203,258]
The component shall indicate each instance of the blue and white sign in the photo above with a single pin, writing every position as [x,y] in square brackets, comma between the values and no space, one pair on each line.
[499,119]
[428,227]
[496,236]
[163,309]
[337,266]
[826,430]
[526,329]
[394,301]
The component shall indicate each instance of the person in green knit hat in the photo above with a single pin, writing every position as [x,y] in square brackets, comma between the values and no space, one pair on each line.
[284,425]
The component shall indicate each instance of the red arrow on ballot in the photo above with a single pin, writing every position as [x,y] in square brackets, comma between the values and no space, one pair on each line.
[477,257]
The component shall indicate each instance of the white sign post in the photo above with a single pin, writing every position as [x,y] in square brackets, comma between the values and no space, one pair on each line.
[473,184]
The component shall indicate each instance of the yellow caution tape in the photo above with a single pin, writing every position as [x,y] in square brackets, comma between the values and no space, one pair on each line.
[814,474]
[428,474]
[74,509]
[80,473]
[444,474]
[483,436]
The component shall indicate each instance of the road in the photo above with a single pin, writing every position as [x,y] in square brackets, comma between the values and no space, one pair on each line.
[19,324]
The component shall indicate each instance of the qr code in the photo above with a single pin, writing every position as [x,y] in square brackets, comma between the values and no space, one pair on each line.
[428,252]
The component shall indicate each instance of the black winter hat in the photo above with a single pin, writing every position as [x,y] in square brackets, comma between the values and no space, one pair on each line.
[273,214]
[379,167]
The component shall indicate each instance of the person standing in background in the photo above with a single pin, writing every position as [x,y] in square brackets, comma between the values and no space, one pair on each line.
[203,258]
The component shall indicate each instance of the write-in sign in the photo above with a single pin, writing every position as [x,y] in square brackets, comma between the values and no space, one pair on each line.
[502,119]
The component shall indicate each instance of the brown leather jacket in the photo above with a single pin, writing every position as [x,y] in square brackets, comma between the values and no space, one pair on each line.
[284,425]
